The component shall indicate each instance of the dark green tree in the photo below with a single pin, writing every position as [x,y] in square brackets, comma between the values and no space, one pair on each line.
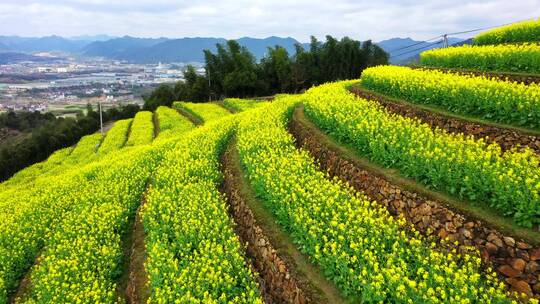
[232,71]
[163,95]
[276,69]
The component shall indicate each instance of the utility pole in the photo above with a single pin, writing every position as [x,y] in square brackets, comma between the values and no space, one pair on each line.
[100,116]
[209,93]
[445,40]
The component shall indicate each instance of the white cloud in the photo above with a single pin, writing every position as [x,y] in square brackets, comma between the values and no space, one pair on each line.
[259,18]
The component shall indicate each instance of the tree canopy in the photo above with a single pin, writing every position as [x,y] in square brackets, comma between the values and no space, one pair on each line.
[232,71]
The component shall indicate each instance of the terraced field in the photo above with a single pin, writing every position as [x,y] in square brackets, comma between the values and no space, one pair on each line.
[201,112]
[514,48]
[406,186]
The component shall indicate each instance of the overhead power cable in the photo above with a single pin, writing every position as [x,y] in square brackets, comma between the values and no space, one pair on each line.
[456,33]
[417,49]
[489,27]
[414,44]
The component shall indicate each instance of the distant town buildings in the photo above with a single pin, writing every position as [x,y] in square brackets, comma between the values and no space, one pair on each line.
[40,86]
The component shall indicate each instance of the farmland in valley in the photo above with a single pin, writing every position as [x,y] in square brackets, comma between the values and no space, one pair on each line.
[408,185]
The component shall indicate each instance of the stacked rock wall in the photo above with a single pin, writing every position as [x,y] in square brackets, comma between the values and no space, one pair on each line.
[516,261]
[506,138]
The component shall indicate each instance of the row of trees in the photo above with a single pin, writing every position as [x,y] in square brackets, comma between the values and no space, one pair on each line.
[43,134]
[25,120]
[234,72]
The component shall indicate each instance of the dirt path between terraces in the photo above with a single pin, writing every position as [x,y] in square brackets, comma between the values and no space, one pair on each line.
[507,138]
[133,282]
[286,275]
[434,215]
[155,121]
[128,133]
[132,285]
[194,119]
[222,104]
[25,284]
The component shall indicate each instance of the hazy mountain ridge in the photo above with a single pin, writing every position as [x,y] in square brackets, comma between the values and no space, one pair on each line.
[153,50]
[180,50]
[141,50]
[11,57]
[92,37]
[114,48]
[4,47]
[42,44]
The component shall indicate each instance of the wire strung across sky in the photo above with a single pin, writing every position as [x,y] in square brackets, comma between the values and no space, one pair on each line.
[489,27]
[418,49]
[414,44]
[447,34]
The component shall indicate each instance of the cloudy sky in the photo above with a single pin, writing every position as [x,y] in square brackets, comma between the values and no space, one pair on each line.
[377,20]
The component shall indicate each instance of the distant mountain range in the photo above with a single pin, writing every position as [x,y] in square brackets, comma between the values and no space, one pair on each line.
[12,57]
[3,47]
[153,50]
[92,37]
[141,50]
[116,47]
[41,44]
[176,50]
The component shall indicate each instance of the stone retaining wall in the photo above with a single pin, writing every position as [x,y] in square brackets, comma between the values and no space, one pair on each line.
[277,283]
[517,262]
[506,138]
